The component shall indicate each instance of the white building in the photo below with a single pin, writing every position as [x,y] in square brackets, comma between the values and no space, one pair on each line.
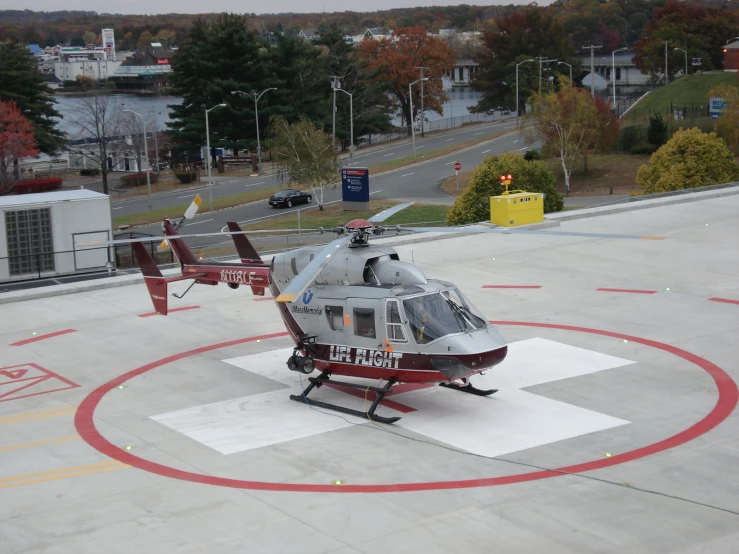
[626,73]
[41,235]
[94,68]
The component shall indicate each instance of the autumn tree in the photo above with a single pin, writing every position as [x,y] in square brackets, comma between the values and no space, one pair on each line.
[303,155]
[563,122]
[145,40]
[16,141]
[699,30]
[22,83]
[369,101]
[604,130]
[689,159]
[521,36]
[89,37]
[97,116]
[398,59]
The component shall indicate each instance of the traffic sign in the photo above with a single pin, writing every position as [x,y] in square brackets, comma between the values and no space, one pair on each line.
[457,166]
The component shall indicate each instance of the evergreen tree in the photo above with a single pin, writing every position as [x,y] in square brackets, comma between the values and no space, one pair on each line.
[217,59]
[22,83]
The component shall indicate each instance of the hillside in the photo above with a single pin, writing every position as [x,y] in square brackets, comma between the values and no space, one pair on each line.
[690,91]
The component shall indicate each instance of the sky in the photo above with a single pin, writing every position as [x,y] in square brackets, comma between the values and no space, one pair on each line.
[236,6]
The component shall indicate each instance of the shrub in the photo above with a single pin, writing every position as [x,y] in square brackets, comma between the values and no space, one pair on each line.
[657,132]
[137,179]
[689,159]
[643,149]
[532,176]
[186,177]
[531,155]
[37,185]
[89,171]
[631,136]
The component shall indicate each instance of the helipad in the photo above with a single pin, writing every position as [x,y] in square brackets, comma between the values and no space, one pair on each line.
[123,433]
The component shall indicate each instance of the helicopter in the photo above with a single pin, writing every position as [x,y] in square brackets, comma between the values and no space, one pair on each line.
[352,308]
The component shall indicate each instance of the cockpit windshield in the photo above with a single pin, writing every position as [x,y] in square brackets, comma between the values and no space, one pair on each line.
[438,314]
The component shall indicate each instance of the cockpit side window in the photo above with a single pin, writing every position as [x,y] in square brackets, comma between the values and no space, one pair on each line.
[394,324]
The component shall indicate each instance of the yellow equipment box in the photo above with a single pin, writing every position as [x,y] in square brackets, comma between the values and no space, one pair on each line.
[517,208]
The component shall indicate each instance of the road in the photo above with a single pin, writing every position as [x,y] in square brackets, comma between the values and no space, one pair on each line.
[419,182]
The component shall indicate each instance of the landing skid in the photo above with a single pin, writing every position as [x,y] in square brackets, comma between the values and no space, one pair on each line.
[468,388]
[317,382]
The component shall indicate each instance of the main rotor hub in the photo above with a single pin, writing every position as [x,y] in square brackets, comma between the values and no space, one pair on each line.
[358,225]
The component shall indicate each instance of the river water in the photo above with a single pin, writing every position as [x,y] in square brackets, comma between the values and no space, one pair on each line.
[157,107]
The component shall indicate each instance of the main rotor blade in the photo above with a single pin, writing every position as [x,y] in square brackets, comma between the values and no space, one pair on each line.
[168,237]
[507,231]
[383,215]
[303,279]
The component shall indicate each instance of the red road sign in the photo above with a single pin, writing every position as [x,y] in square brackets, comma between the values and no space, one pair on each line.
[457,166]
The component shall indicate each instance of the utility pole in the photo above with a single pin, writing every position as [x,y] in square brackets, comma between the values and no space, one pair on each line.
[334,85]
[422,112]
[613,73]
[592,67]
[542,60]
[667,75]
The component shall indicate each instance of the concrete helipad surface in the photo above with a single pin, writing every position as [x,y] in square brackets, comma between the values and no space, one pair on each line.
[124,432]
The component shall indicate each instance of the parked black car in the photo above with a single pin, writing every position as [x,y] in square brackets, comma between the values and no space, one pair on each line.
[288,198]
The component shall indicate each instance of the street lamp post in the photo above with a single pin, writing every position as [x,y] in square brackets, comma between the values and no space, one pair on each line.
[686,59]
[613,73]
[351,118]
[410,98]
[207,141]
[256,117]
[423,113]
[531,60]
[570,66]
[146,154]
[543,60]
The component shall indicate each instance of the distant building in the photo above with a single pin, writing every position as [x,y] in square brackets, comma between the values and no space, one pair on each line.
[626,74]
[461,74]
[731,56]
[309,34]
[34,49]
[147,69]
[377,33]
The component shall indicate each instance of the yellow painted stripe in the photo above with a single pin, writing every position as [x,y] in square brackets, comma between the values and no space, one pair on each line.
[197,200]
[55,471]
[31,416]
[652,238]
[41,443]
[39,412]
[285,298]
[65,476]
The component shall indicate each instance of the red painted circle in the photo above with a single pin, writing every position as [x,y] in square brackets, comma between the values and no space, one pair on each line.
[457,166]
[727,401]
[359,224]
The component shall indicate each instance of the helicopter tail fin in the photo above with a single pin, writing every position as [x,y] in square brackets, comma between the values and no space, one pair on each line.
[155,281]
[244,247]
[183,253]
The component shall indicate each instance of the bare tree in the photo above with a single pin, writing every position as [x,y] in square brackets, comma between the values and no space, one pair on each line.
[98,116]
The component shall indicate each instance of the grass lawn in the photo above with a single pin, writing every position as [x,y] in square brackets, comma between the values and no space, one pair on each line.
[612,170]
[686,91]
[154,216]
[334,216]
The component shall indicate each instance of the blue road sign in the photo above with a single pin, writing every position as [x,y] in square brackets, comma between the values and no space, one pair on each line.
[355,184]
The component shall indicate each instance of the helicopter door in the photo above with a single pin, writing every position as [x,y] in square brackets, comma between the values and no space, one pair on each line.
[365,322]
